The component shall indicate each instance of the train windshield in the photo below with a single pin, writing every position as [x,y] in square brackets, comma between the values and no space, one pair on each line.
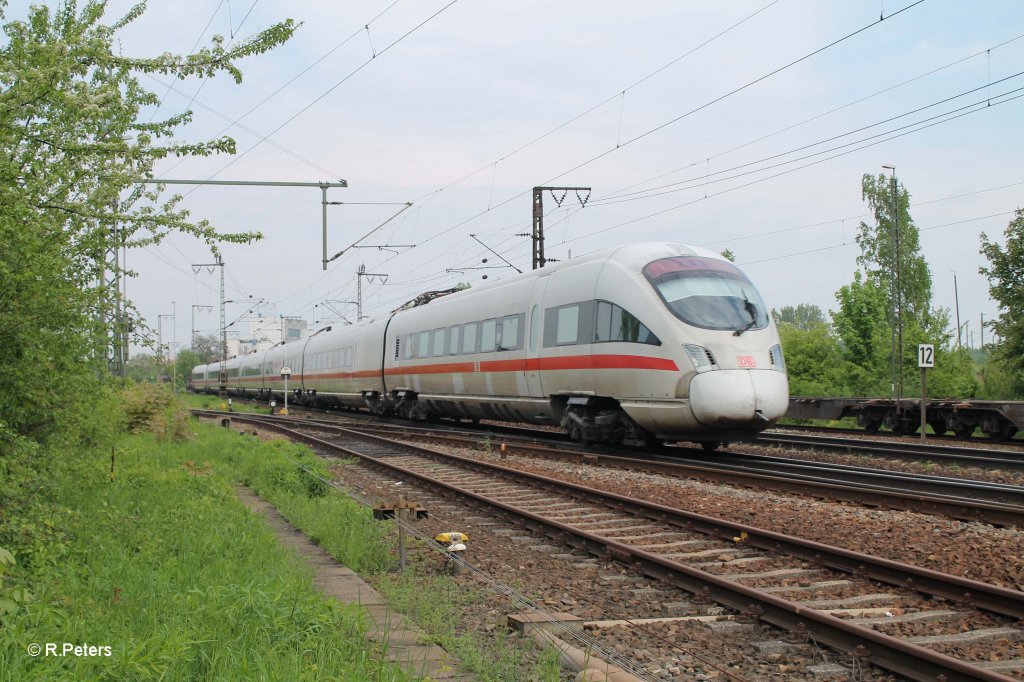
[708,293]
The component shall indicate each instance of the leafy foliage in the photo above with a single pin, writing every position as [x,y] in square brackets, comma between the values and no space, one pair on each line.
[1005,274]
[152,408]
[803,316]
[861,354]
[74,149]
[891,249]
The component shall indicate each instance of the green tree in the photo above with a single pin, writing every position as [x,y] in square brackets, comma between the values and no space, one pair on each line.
[814,360]
[142,368]
[862,325]
[74,145]
[1005,273]
[891,249]
[890,303]
[207,348]
[803,316]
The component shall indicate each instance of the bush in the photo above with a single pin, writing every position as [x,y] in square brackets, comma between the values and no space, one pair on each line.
[154,408]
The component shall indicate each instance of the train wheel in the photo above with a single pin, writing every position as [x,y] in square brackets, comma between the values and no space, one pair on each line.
[710,445]
[872,425]
[1004,431]
[938,426]
[964,431]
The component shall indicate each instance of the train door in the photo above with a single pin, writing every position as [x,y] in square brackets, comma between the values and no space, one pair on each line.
[534,338]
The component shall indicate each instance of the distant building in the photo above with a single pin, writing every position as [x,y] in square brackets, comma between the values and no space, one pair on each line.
[266,332]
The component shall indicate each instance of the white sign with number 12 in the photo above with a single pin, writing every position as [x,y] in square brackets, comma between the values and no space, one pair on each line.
[925,355]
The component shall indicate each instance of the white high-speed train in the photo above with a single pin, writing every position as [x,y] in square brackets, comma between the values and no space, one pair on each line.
[630,345]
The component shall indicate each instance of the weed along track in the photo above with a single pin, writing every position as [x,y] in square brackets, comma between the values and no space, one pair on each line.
[915,622]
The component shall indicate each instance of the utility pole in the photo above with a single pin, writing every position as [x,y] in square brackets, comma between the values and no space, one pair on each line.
[956,300]
[899,288]
[982,346]
[370,276]
[223,374]
[162,348]
[192,343]
[538,260]
[112,350]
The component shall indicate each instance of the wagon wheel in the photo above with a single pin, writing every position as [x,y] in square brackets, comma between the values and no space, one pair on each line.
[964,431]
[872,425]
[1005,431]
[938,426]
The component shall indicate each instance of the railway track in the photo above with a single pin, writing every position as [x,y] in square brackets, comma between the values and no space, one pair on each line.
[989,458]
[847,431]
[994,503]
[924,625]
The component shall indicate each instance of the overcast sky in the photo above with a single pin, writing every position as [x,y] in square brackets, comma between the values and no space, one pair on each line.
[744,125]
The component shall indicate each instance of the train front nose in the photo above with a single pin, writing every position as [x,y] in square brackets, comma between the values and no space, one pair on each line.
[739,398]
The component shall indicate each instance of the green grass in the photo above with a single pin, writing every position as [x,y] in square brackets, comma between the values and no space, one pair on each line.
[169,570]
[165,566]
[348,532]
[204,401]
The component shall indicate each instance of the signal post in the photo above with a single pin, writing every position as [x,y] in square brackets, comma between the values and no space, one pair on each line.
[925,360]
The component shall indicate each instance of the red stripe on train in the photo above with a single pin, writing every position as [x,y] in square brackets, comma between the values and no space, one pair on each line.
[548,364]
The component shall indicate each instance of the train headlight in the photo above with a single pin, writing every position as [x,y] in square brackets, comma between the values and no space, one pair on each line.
[778,361]
[701,357]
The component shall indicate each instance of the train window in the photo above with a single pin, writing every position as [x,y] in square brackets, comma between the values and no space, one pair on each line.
[602,331]
[438,345]
[407,347]
[510,332]
[469,337]
[453,340]
[534,328]
[488,335]
[347,362]
[567,325]
[423,346]
[707,293]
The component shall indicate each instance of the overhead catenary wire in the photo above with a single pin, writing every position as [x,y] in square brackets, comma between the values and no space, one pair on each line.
[977,109]
[193,49]
[438,278]
[823,114]
[237,121]
[696,181]
[328,91]
[600,104]
[849,244]
[790,127]
[680,117]
[765,76]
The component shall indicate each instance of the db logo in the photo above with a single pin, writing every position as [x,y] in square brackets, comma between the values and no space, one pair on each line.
[746,361]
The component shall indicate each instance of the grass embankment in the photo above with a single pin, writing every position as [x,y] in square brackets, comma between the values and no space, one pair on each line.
[348,532]
[165,567]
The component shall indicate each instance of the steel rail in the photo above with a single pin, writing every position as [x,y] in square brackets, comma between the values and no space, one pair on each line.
[887,494]
[1010,460]
[904,658]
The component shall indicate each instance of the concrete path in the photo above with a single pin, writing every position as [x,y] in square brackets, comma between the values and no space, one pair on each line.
[403,639]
